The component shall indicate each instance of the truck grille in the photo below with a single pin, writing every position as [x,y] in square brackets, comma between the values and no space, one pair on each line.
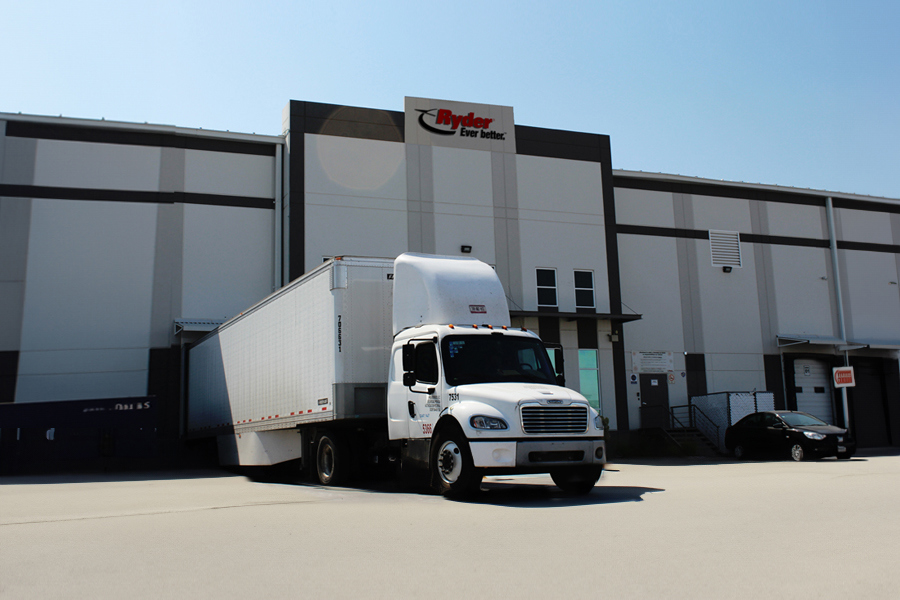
[554,419]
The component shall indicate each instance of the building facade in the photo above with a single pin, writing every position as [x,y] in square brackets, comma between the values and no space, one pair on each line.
[122,243]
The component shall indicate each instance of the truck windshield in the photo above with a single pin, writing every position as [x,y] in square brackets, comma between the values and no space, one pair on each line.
[495,358]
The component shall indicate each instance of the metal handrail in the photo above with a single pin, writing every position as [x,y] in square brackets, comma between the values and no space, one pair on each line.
[707,428]
[707,424]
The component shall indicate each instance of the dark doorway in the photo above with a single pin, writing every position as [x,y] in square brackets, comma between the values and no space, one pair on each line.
[868,405]
[654,400]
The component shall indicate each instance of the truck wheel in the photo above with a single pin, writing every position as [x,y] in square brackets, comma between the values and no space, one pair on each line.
[576,481]
[452,467]
[332,460]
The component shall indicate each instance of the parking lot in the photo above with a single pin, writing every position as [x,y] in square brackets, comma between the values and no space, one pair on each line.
[654,528]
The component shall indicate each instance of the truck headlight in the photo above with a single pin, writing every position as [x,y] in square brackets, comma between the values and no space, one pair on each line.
[483,422]
[598,422]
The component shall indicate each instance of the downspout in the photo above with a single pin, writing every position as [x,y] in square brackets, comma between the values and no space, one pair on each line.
[279,208]
[842,329]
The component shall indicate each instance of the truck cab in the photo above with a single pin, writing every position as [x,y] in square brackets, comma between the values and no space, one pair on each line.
[469,395]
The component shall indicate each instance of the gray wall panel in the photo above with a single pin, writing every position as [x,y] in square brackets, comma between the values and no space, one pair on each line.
[18,161]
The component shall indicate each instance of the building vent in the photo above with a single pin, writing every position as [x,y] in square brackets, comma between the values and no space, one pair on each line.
[725,248]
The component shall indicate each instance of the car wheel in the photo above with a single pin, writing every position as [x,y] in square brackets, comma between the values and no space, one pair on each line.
[576,481]
[332,461]
[844,455]
[740,452]
[453,471]
[797,452]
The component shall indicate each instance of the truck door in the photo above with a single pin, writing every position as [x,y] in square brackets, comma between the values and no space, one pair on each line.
[424,398]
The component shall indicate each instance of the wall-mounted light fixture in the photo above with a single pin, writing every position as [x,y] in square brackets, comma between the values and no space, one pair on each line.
[613,337]
[465,249]
[726,269]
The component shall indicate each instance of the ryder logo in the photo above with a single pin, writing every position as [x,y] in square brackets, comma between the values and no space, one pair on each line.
[447,123]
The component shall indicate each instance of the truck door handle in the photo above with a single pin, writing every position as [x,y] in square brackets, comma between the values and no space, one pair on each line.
[412,409]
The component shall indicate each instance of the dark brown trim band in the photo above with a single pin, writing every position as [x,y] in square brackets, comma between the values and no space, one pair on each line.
[103,135]
[64,193]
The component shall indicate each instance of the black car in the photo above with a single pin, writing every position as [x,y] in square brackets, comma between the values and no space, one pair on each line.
[787,433]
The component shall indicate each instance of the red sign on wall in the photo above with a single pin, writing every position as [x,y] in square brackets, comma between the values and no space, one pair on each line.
[843,377]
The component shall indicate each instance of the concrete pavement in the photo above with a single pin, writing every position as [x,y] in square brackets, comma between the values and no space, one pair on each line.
[664,528]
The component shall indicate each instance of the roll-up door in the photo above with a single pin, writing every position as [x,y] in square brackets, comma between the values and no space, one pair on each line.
[812,381]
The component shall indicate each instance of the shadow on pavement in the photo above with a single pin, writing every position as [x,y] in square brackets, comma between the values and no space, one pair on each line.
[106,477]
[529,495]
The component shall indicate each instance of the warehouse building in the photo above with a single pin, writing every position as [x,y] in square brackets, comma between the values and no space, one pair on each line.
[123,243]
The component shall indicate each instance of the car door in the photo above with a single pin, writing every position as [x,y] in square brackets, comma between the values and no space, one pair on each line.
[424,398]
[752,433]
[776,436]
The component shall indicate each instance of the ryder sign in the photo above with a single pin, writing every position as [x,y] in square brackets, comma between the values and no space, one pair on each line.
[460,125]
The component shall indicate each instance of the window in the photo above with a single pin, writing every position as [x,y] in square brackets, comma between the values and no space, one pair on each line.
[495,358]
[584,290]
[426,363]
[546,289]
[589,377]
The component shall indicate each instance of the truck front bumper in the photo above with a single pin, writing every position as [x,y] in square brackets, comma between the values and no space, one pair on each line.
[537,455]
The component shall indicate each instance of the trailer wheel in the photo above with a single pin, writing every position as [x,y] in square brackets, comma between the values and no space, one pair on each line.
[453,471]
[332,459]
[576,481]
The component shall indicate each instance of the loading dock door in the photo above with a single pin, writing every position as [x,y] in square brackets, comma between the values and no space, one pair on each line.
[654,400]
[869,416]
[812,380]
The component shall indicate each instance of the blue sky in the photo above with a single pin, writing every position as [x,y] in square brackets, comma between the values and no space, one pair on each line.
[790,92]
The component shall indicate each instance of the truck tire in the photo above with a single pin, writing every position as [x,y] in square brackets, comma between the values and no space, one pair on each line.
[453,471]
[577,481]
[332,459]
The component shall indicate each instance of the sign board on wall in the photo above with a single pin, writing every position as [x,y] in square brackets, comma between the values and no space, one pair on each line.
[460,125]
[844,377]
[652,362]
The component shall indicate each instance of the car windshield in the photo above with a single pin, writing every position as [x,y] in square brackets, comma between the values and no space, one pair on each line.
[495,358]
[801,420]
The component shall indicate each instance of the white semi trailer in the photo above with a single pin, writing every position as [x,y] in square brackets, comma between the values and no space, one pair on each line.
[367,360]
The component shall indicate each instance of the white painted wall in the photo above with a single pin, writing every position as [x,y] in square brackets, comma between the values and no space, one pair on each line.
[796,220]
[463,202]
[103,166]
[228,259]
[729,214]
[651,287]
[731,326]
[873,301]
[86,321]
[641,207]
[229,174]
[343,166]
[802,296]
[561,226]
[864,226]
[355,197]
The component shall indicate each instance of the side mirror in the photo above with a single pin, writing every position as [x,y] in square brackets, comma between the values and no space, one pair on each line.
[561,380]
[560,361]
[409,379]
[409,359]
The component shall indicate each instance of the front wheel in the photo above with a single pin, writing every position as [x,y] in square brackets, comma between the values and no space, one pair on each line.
[576,481]
[797,452]
[740,452]
[453,470]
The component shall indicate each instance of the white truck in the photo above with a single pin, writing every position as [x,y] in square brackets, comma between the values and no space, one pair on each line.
[366,360]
